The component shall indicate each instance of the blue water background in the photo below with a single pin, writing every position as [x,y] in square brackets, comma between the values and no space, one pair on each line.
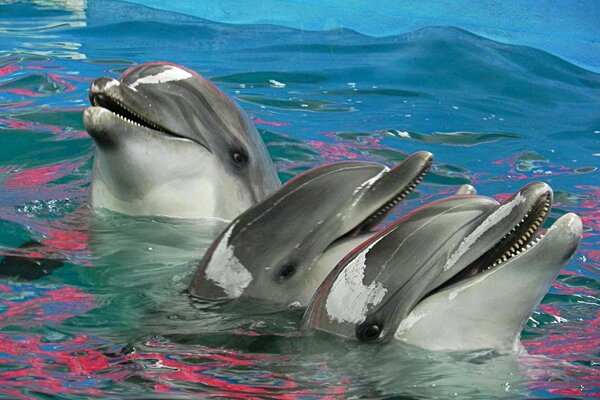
[115,321]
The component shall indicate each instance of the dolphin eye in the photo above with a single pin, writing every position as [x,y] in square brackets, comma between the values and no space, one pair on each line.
[239,158]
[286,272]
[368,331]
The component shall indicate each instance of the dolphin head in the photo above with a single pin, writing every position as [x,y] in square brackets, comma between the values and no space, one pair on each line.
[489,309]
[269,251]
[443,244]
[168,142]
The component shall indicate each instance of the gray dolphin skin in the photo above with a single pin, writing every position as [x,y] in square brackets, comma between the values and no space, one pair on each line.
[461,273]
[269,252]
[170,143]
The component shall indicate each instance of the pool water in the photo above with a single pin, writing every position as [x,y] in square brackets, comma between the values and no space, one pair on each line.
[115,321]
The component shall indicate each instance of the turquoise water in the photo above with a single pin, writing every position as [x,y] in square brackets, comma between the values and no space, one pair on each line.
[115,320]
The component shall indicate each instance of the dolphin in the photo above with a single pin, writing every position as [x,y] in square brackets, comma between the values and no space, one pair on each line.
[168,142]
[269,251]
[461,273]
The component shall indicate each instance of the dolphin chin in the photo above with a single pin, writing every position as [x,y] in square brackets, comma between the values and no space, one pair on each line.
[170,143]
[460,273]
[270,252]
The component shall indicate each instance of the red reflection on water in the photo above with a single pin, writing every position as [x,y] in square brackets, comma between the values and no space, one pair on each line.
[38,176]
[34,176]
[567,344]
[16,105]
[545,170]
[550,309]
[258,121]
[26,125]
[226,376]
[66,240]
[59,131]
[62,80]
[572,290]
[8,69]
[21,92]
[78,366]
[334,152]
[53,305]
[69,367]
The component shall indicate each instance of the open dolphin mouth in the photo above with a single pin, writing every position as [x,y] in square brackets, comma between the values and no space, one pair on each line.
[521,238]
[126,114]
[100,98]
[380,214]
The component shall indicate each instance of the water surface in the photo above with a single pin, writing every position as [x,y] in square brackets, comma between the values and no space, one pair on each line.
[115,320]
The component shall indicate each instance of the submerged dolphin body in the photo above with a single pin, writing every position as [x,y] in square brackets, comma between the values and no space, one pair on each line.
[269,252]
[462,273]
[170,143]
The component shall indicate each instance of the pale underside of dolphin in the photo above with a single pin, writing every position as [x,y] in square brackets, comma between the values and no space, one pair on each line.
[462,273]
[168,142]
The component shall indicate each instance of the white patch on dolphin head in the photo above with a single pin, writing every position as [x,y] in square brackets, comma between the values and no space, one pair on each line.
[369,182]
[502,212]
[363,188]
[225,270]
[170,74]
[107,85]
[349,299]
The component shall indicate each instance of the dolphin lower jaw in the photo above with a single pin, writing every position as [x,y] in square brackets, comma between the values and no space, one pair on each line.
[117,107]
[109,129]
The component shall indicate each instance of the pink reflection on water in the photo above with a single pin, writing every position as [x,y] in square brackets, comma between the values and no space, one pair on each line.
[566,347]
[26,305]
[69,367]
[66,240]
[8,69]
[258,121]
[16,105]
[78,366]
[21,92]
[40,175]
[62,80]
[60,131]
[227,374]
[333,152]
[572,290]
[543,171]
[26,125]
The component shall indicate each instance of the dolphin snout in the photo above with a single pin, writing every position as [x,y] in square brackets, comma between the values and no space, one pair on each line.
[101,85]
[536,190]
